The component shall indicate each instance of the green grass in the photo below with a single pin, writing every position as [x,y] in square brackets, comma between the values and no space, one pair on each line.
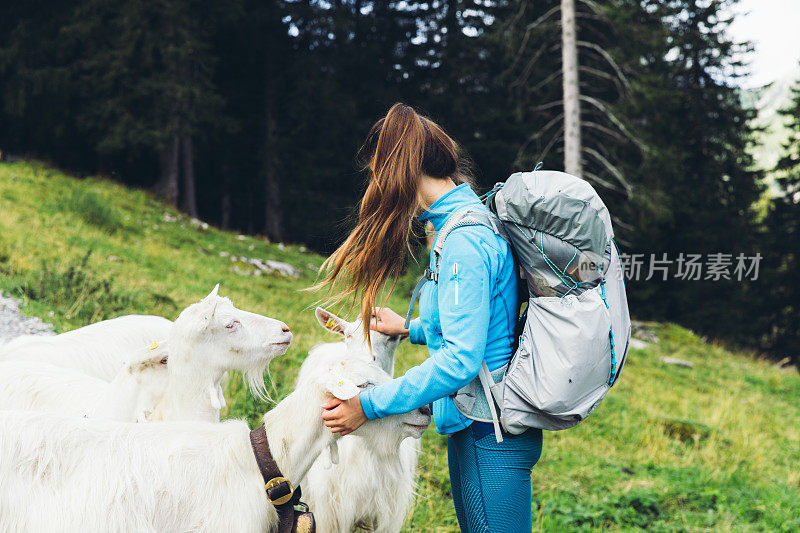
[714,447]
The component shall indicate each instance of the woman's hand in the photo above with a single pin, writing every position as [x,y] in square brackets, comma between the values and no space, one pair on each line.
[344,417]
[386,321]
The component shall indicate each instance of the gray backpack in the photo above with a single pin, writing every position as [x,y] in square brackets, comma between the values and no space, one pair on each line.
[574,333]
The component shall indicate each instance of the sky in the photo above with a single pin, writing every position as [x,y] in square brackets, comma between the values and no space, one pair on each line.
[773,26]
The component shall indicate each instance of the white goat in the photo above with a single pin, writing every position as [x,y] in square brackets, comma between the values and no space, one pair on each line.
[208,339]
[100,350]
[74,474]
[368,488]
[129,397]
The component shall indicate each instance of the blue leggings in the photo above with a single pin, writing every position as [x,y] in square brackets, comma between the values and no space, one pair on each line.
[491,481]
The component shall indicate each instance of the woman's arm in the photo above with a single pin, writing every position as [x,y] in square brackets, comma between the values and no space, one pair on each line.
[464,293]
[390,323]
[416,334]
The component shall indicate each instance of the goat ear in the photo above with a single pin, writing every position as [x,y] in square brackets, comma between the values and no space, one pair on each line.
[330,321]
[212,299]
[208,315]
[341,387]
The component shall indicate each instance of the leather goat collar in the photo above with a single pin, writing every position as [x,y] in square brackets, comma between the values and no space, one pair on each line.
[280,492]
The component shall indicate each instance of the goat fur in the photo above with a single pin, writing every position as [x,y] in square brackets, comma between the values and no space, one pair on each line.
[101,349]
[365,487]
[46,387]
[90,475]
[208,339]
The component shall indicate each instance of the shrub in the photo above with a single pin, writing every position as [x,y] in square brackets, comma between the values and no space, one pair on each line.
[92,209]
[75,292]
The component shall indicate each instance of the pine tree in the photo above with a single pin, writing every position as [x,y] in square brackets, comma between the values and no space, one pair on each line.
[37,94]
[352,63]
[144,74]
[456,77]
[781,292]
[577,118]
[255,76]
[700,133]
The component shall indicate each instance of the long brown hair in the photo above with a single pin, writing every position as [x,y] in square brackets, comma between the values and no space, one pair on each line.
[399,149]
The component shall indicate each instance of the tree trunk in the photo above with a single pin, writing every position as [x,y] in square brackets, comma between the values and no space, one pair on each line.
[225,201]
[167,185]
[572,104]
[189,197]
[251,215]
[225,208]
[273,227]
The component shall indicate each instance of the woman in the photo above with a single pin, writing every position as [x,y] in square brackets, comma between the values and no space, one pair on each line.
[466,316]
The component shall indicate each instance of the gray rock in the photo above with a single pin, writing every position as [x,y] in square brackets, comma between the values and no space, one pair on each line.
[267,266]
[643,332]
[14,324]
[639,344]
[676,361]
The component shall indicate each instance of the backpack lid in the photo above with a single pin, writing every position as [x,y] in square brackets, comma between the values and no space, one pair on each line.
[558,204]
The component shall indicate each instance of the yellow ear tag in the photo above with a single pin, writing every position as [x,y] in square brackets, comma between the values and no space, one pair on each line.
[330,323]
[154,345]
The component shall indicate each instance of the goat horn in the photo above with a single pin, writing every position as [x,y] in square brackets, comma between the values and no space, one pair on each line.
[214,292]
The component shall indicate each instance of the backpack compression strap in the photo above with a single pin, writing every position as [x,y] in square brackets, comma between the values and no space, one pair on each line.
[485,378]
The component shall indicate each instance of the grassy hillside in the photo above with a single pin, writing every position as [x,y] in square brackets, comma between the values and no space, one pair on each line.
[714,447]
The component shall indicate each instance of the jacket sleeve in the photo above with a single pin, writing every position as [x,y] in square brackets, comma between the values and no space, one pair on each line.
[416,335]
[464,293]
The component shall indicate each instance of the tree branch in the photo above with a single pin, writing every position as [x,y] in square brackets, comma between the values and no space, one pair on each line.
[546,127]
[528,31]
[597,180]
[558,137]
[600,106]
[594,6]
[545,81]
[605,55]
[518,159]
[536,23]
[605,75]
[623,225]
[605,163]
[526,72]
[547,106]
[538,134]
[516,18]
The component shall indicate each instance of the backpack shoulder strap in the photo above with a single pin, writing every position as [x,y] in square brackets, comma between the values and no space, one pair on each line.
[472,216]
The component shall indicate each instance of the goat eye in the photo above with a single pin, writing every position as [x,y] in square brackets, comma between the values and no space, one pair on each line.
[233,324]
[164,361]
[366,385]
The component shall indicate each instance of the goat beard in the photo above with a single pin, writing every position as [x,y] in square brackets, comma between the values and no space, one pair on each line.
[256,383]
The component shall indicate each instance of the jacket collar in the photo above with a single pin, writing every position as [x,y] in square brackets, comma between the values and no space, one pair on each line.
[453,200]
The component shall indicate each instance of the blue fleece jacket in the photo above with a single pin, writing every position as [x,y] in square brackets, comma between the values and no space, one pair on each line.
[468,315]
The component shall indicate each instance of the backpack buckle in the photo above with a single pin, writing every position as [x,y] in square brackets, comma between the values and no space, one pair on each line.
[430,275]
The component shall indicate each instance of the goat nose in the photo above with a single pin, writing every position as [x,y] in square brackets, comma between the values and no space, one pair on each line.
[425,410]
[285,328]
